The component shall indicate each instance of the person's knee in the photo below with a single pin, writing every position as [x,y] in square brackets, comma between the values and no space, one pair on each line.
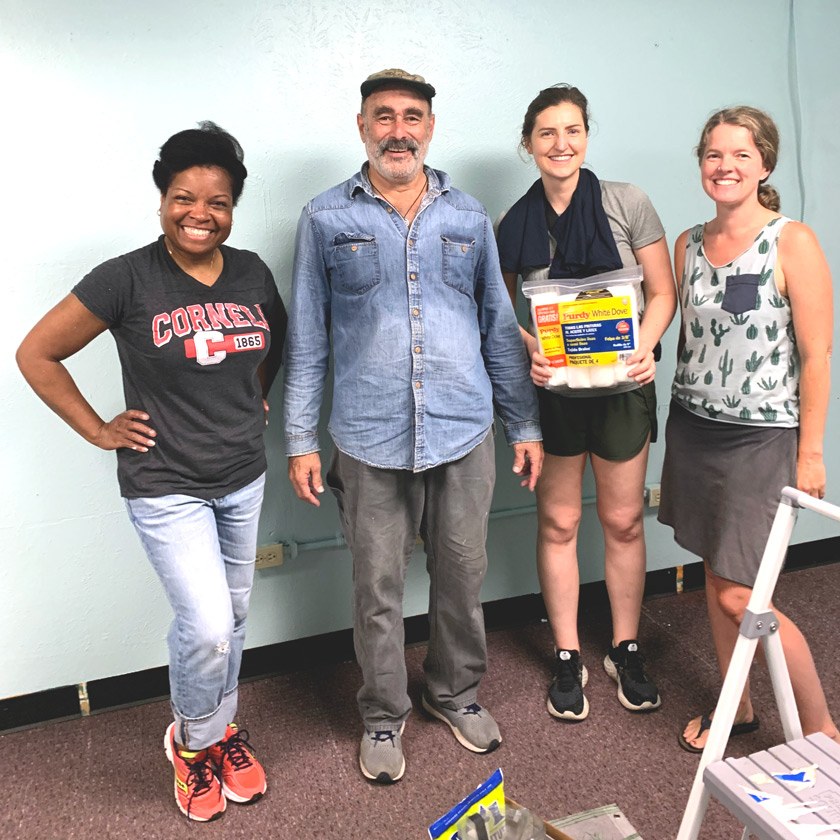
[559,525]
[732,601]
[622,525]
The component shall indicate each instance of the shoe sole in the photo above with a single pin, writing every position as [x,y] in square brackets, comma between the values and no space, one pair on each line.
[241,800]
[569,714]
[167,748]
[647,706]
[430,709]
[383,778]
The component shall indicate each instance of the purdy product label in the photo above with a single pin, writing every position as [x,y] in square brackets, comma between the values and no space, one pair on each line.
[592,332]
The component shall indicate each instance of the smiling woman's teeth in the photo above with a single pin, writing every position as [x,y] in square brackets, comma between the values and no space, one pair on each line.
[196,231]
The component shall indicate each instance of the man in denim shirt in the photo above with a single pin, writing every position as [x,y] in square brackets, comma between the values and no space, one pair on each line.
[401,271]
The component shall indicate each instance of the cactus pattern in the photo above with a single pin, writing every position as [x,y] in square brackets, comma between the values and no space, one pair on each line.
[752,332]
[731,402]
[692,379]
[697,235]
[777,302]
[701,358]
[718,331]
[695,276]
[763,247]
[745,414]
[699,301]
[696,328]
[719,296]
[708,378]
[765,276]
[746,387]
[772,331]
[767,384]
[768,413]
[685,356]
[788,409]
[725,367]
[739,320]
[775,356]
[715,281]
[710,409]
[754,361]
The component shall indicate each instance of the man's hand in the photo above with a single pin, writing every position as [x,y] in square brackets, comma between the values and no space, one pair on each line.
[305,475]
[527,462]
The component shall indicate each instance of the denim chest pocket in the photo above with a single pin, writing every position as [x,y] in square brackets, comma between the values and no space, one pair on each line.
[459,263]
[741,294]
[356,259]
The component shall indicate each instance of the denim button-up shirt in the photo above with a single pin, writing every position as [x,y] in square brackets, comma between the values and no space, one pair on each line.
[424,337]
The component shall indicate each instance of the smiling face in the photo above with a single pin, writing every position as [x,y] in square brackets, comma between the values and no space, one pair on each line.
[396,127]
[196,212]
[731,166]
[558,141]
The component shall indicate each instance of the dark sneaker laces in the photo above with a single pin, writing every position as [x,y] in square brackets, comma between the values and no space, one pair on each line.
[199,779]
[565,672]
[382,735]
[238,750]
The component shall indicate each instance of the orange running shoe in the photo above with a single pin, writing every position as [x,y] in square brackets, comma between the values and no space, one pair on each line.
[198,793]
[243,777]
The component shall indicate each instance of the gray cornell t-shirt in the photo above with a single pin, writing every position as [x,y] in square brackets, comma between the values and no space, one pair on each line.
[189,355]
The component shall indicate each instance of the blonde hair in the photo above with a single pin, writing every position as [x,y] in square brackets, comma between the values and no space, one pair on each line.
[765,135]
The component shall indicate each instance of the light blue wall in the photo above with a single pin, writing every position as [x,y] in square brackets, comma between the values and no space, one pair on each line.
[91,89]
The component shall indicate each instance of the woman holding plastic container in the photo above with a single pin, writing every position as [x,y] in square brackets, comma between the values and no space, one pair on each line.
[568,227]
[750,393]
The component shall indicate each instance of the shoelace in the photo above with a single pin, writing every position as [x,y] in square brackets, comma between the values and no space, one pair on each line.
[634,666]
[566,674]
[472,709]
[238,750]
[199,779]
[382,735]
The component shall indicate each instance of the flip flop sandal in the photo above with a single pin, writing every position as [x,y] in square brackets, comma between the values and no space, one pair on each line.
[706,723]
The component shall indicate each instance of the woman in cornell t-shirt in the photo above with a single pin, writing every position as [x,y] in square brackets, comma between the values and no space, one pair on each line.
[199,329]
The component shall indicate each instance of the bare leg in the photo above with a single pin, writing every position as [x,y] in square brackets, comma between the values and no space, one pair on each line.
[620,489]
[726,602]
[558,516]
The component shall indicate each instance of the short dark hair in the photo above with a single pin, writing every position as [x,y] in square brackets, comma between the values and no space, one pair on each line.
[207,145]
[548,97]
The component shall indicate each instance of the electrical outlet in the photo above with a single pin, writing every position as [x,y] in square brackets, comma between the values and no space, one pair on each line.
[653,494]
[269,555]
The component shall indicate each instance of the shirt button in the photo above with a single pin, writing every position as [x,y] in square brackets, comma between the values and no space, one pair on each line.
[417,349]
[410,243]
[412,276]
[390,209]
[354,247]
[415,312]
[418,384]
[464,249]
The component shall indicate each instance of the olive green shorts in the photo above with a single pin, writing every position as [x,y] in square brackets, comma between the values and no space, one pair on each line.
[613,427]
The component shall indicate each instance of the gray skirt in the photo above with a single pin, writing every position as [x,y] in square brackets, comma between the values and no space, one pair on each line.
[721,484]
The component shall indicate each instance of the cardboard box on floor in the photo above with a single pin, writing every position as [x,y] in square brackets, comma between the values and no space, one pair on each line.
[550,831]
[605,823]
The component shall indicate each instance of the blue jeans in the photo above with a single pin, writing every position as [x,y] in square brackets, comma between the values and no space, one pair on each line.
[204,554]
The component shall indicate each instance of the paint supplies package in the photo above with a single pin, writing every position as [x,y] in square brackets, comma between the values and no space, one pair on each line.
[588,330]
[486,803]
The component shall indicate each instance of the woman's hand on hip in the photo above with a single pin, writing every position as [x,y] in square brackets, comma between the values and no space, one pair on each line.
[127,430]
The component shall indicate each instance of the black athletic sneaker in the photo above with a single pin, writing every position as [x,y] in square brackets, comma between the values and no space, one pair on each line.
[626,665]
[565,694]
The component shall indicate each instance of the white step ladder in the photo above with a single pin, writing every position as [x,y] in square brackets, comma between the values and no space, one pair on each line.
[769,817]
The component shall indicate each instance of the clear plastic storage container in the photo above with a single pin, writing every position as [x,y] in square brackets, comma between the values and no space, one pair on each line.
[588,330]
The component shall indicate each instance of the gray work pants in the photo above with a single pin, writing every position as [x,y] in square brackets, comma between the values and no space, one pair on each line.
[382,511]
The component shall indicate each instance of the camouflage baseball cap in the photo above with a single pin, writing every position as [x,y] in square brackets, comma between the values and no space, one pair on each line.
[397,78]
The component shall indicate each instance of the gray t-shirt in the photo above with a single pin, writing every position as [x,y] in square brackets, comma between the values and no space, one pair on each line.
[189,355]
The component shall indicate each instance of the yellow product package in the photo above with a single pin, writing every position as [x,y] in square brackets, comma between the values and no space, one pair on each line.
[487,800]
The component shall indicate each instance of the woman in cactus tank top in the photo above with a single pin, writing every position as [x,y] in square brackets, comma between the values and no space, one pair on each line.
[750,393]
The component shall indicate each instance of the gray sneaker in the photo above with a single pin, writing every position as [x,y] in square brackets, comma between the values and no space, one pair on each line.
[381,756]
[473,725]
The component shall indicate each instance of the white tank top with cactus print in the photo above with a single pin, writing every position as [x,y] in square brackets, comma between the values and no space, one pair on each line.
[740,363]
